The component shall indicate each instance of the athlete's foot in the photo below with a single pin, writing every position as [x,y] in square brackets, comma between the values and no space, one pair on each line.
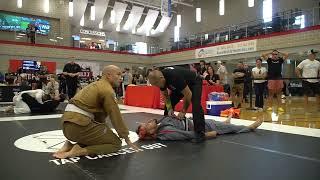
[75,151]
[280,109]
[269,109]
[9,109]
[228,120]
[67,146]
[256,124]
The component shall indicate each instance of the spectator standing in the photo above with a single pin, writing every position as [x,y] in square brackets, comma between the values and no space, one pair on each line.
[247,82]
[127,78]
[71,71]
[275,82]
[223,75]
[310,68]
[238,85]
[260,73]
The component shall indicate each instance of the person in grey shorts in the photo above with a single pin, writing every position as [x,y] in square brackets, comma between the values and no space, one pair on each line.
[171,128]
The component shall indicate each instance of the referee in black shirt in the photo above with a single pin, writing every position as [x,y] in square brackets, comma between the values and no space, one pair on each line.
[71,72]
[185,84]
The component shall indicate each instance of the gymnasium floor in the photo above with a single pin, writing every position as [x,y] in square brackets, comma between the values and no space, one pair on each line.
[296,114]
[274,151]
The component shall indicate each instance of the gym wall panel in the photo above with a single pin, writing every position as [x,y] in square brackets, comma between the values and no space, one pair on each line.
[295,42]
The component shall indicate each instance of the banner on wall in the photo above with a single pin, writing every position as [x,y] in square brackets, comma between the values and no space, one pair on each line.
[88,67]
[166,8]
[227,49]
[31,65]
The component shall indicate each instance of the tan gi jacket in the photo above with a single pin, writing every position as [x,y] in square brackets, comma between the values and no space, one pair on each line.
[99,99]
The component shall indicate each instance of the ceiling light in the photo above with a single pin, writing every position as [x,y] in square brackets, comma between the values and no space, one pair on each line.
[46,6]
[70,9]
[101,24]
[93,13]
[82,21]
[198,14]
[113,17]
[19,3]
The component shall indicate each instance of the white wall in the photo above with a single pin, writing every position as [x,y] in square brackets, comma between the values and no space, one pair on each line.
[236,12]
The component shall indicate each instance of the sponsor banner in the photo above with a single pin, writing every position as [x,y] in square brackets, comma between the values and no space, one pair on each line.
[91,32]
[89,69]
[166,8]
[121,152]
[227,49]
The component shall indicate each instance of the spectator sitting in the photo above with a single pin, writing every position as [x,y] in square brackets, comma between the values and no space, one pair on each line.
[52,88]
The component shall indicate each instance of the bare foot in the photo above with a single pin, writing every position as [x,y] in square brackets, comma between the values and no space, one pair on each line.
[9,109]
[75,151]
[228,121]
[67,146]
[211,134]
[256,124]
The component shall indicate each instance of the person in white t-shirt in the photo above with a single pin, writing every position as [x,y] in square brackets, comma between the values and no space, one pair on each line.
[223,75]
[259,72]
[310,69]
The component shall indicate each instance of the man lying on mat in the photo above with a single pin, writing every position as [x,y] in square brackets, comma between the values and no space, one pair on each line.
[34,101]
[171,128]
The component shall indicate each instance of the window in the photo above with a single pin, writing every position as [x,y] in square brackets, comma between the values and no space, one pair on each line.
[300,20]
[250,3]
[267,10]
[221,7]
[140,48]
[198,15]
[176,34]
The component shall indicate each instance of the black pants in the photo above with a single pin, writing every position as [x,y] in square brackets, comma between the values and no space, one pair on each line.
[63,88]
[197,111]
[36,107]
[32,39]
[226,88]
[33,104]
[259,92]
[72,86]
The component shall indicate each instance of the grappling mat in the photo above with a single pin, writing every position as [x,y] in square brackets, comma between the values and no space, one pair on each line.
[25,147]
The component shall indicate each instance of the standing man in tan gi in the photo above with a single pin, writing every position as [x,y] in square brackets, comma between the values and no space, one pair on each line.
[84,119]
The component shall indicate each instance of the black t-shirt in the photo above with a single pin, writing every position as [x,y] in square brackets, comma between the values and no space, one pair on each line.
[275,68]
[214,78]
[71,68]
[239,80]
[177,78]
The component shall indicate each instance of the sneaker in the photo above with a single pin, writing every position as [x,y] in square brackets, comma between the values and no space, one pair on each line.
[269,109]
[280,109]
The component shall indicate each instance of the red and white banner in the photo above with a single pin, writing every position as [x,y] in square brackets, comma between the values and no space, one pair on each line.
[227,49]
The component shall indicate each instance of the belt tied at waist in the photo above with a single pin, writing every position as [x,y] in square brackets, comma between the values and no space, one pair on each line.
[74,108]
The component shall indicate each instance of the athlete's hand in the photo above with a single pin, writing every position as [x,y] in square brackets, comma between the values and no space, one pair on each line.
[181,115]
[171,113]
[133,146]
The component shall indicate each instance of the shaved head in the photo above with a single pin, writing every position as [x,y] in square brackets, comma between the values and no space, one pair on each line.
[112,74]
[110,69]
[156,78]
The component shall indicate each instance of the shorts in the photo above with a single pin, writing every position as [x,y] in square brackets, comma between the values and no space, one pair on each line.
[275,84]
[310,89]
[238,89]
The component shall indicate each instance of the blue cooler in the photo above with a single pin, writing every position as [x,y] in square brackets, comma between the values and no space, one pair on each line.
[215,107]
